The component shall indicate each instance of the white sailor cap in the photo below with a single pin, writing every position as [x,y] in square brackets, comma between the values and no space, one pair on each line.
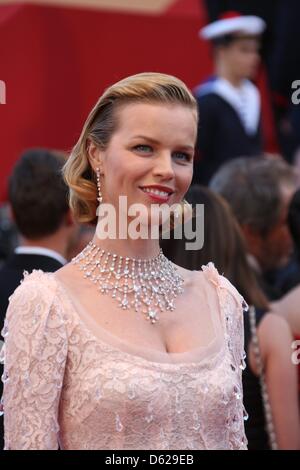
[233,22]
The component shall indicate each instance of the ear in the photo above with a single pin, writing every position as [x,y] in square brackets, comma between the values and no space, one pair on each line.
[94,155]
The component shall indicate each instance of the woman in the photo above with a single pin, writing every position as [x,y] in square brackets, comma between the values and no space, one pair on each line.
[89,363]
[288,308]
[273,413]
[288,305]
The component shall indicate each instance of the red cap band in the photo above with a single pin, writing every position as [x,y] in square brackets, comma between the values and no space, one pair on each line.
[229,14]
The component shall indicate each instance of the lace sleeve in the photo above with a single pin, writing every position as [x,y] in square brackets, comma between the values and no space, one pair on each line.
[233,305]
[235,325]
[235,337]
[34,355]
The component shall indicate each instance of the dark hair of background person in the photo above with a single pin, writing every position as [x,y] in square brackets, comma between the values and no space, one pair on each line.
[253,187]
[223,245]
[37,193]
[228,39]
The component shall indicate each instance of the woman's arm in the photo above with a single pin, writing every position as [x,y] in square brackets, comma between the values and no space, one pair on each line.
[288,308]
[35,355]
[233,305]
[275,341]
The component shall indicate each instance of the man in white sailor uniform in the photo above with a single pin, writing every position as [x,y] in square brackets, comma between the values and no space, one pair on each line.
[229,103]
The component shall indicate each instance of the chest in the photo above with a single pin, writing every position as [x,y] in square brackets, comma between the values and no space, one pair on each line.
[114,392]
[191,325]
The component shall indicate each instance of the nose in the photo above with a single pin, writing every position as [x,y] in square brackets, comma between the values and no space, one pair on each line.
[164,166]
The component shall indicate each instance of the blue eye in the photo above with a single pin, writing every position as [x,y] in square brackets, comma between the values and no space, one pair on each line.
[182,156]
[143,148]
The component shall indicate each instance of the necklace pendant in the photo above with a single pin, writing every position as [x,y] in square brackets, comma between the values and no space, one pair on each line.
[124,304]
[148,286]
[152,316]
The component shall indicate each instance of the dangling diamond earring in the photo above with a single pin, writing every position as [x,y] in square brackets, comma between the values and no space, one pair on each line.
[99,198]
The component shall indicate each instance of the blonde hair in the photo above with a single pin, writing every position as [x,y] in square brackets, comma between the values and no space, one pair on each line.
[101,124]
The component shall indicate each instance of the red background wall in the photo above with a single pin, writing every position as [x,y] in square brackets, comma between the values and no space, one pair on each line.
[57,61]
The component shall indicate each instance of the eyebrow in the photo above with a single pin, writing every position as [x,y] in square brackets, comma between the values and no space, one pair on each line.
[156,142]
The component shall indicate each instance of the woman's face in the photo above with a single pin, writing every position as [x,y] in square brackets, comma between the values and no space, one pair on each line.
[149,158]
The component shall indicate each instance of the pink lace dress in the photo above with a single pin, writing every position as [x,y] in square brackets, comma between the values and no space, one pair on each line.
[71,383]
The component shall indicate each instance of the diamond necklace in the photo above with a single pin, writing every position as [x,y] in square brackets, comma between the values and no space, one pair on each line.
[147,285]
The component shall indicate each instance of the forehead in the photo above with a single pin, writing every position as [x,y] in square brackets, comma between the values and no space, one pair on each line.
[246,41]
[158,119]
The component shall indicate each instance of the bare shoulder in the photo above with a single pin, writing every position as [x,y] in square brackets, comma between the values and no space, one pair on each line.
[288,308]
[68,274]
[274,340]
[66,270]
[273,332]
[288,302]
[273,323]
[186,274]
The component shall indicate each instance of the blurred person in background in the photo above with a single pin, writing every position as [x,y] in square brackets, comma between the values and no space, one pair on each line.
[38,199]
[229,103]
[288,305]
[273,411]
[288,308]
[259,191]
[291,277]
[267,10]
[83,237]
[281,57]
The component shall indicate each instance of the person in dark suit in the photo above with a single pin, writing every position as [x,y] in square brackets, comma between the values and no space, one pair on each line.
[229,103]
[38,199]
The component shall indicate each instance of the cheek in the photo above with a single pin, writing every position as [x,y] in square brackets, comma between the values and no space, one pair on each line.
[242,60]
[251,60]
[184,179]
[116,170]
[236,60]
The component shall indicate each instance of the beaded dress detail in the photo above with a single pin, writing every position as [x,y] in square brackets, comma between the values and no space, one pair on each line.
[66,385]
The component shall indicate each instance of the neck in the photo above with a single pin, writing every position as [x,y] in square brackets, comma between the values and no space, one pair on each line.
[223,72]
[52,242]
[147,287]
[121,242]
[131,248]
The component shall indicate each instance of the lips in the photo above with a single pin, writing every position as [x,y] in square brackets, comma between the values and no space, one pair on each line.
[156,187]
[157,192]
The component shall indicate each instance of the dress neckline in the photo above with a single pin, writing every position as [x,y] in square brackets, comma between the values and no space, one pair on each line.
[194,357]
